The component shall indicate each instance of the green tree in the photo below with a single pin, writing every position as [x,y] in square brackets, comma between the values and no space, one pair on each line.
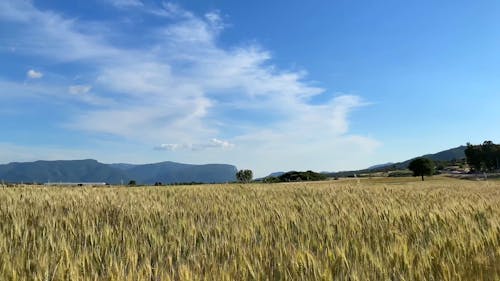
[244,176]
[490,155]
[302,176]
[271,180]
[422,167]
[132,183]
[483,157]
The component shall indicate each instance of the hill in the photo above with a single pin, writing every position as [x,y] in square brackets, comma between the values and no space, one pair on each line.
[60,171]
[93,171]
[445,155]
[381,165]
[171,172]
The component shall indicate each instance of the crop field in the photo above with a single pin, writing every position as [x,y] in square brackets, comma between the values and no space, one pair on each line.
[369,229]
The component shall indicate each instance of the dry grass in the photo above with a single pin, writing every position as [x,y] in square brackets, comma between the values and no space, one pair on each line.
[398,229]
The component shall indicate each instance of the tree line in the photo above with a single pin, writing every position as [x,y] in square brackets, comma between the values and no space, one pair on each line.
[484,157]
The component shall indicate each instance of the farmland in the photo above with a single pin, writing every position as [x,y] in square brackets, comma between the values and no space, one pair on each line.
[368,229]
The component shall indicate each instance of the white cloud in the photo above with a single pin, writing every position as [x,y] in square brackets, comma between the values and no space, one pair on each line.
[82,93]
[172,10]
[220,143]
[213,143]
[48,92]
[182,89]
[79,89]
[33,74]
[45,33]
[126,3]
[172,146]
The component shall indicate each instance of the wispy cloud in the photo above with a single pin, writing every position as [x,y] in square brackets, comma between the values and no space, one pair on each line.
[79,89]
[172,10]
[126,3]
[213,143]
[51,35]
[220,143]
[33,74]
[181,88]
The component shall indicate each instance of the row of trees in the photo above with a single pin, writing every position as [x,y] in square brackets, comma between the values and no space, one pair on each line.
[420,167]
[301,176]
[245,176]
[484,157]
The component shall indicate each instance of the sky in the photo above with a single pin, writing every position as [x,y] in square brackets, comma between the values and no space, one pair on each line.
[263,85]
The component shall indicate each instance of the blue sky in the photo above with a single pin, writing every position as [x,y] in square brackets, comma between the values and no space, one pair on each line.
[265,85]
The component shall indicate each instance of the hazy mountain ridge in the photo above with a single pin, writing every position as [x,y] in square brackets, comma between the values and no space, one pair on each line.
[93,171]
[445,155]
[122,166]
[381,165]
[172,172]
[90,170]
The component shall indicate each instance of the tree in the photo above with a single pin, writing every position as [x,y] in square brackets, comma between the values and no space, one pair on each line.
[271,180]
[244,176]
[490,155]
[472,153]
[132,183]
[302,176]
[422,167]
[483,157]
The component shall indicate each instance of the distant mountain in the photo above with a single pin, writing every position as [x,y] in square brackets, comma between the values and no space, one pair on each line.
[122,166]
[381,165]
[275,174]
[271,175]
[61,171]
[171,172]
[448,155]
[445,155]
[93,171]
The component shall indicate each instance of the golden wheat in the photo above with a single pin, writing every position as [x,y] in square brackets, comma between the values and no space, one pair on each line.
[442,229]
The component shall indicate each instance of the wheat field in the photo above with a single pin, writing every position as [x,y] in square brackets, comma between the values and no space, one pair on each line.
[399,229]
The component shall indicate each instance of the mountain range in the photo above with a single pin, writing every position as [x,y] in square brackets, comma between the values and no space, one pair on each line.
[93,171]
[165,172]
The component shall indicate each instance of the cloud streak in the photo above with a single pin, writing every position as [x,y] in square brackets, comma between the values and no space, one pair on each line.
[126,3]
[79,89]
[33,74]
[213,143]
[181,88]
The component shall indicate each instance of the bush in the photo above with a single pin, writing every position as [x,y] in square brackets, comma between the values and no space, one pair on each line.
[244,176]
